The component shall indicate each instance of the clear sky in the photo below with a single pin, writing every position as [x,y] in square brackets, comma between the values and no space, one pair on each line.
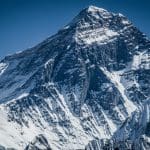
[25,23]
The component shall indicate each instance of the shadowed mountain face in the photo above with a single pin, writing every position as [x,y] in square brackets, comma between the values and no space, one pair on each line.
[87,84]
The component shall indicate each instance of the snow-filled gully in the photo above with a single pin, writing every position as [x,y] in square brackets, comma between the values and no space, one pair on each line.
[115,78]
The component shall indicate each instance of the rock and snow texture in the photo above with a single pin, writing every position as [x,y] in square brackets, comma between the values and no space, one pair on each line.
[39,143]
[86,86]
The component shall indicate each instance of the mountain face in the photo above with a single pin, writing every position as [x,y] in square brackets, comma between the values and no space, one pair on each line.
[86,87]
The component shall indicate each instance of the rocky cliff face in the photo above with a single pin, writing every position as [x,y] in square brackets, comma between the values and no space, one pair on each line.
[89,82]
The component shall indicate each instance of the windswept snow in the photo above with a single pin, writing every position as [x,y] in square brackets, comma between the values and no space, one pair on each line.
[115,78]
[141,60]
[9,134]
[95,129]
[111,125]
[3,67]
[99,36]
[23,95]
[19,82]
[95,9]
[98,12]
[125,22]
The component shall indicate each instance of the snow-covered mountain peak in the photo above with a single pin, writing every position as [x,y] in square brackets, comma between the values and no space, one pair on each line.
[81,84]
[94,9]
[95,24]
[95,15]
[91,14]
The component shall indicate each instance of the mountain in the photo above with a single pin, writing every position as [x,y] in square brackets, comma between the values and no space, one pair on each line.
[86,87]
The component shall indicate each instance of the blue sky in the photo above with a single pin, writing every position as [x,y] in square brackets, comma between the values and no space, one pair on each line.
[25,23]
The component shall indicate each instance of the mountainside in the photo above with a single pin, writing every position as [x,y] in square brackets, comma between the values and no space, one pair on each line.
[86,87]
